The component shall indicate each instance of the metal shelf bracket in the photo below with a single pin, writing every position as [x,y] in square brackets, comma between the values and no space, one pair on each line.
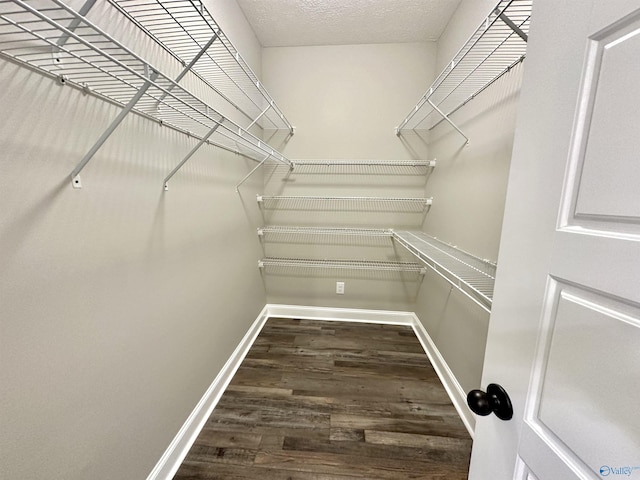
[512,25]
[188,67]
[445,117]
[188,156]
[151,77]
[251,172]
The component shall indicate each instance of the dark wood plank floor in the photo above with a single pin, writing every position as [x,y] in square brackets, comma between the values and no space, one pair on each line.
[317,400]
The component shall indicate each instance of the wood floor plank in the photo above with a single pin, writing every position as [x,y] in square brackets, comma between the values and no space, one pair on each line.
[204,471]
[451,458]
[415,440]
[215,438]
[266,391]
[433,425]
[365,467]
[324,400]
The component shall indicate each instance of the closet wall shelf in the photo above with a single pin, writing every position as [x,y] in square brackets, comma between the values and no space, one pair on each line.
[366,163]
[186,29]
[496,46]
[301,202]
[378,266]
[62,42]
[328,231]
[471,275]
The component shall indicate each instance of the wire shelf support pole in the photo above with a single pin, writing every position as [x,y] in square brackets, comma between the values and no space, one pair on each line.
[251,172]
[449,121]
[188,68]
[255,120]
[75,174]
[512,25]
[88,5]
[188,156]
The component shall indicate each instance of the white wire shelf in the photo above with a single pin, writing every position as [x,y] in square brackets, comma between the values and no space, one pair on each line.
[496,46]
[368,167]
[59,41]
[366,163]
[315,202]
[324,231]
[187,30]
[473,276]
[368,265]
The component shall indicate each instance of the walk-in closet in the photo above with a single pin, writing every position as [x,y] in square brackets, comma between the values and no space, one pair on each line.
[287,239]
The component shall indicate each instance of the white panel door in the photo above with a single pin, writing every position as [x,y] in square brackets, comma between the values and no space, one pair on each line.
[564,336]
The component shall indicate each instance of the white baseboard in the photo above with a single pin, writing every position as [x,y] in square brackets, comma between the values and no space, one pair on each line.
[449,381]
[343,314]
[173,456]
[179,447]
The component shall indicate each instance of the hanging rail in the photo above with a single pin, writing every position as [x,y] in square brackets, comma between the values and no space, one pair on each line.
[93,60]
[186,29]
[496,46]
[472,276]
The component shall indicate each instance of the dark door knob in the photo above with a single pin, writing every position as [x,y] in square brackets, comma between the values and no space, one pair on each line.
[495,401]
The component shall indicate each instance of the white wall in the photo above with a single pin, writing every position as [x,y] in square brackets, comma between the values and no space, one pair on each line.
[119,302]
[469,188]
[345,102]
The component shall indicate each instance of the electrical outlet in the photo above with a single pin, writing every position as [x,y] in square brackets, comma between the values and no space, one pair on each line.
[340,288]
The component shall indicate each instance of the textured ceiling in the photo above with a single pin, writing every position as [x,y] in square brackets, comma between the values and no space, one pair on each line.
[280,23]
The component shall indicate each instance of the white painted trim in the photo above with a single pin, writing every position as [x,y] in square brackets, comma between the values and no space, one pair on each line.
[173,456]
[388,317]
[448,379]
[177,450]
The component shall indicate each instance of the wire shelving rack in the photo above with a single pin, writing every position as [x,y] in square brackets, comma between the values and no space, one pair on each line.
[334,202]
[368,167]
[366,163]
[296,264]
[472,276]
[188,31]
[59,41]
[276,230]
[495,47]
